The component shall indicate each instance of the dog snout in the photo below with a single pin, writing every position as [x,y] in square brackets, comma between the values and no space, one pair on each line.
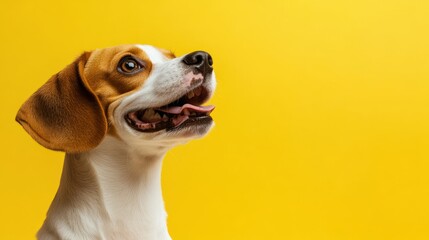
[201,60]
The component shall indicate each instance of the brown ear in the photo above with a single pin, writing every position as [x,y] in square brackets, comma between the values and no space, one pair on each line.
[65,114]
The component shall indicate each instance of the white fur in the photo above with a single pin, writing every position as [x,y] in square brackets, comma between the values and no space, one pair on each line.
[114,191]
[154,54]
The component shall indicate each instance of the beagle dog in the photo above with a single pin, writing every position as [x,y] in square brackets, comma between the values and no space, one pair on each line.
[115,112]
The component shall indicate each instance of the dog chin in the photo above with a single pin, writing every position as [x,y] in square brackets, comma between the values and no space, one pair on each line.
[191,132]
[182,134]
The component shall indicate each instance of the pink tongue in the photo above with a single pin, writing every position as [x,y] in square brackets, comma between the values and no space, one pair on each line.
[180,109]
[179,119]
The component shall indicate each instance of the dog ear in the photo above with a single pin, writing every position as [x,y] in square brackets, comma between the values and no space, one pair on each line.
[65,114]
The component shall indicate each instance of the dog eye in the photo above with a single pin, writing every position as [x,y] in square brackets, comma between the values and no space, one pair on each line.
[129,65]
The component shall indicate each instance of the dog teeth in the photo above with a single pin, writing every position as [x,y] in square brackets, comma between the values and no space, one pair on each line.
[150,111]
[195,92]
[156,117]
[151,115]
[148,114]
[191,94]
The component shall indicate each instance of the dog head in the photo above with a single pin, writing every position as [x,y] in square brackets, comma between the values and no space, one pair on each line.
[137,93]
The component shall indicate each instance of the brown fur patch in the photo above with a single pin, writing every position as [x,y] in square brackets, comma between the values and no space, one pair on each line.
[70,111]
[104,78]
[64,114]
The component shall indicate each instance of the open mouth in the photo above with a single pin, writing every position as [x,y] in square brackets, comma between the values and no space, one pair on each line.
[183,112]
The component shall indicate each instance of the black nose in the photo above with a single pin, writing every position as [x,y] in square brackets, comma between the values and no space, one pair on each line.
[200,60]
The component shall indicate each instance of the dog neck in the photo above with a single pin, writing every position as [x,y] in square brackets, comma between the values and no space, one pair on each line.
[111,192]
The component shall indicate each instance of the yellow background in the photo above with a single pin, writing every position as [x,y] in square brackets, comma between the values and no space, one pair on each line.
[322,113]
